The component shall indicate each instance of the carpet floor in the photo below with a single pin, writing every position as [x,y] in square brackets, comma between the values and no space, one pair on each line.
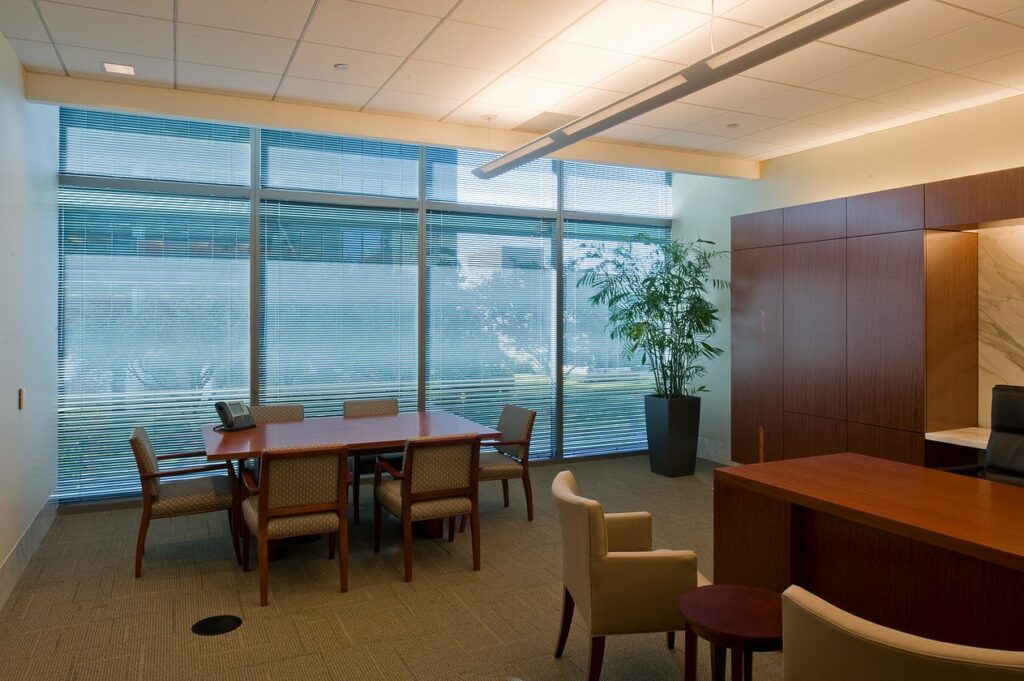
[78,613]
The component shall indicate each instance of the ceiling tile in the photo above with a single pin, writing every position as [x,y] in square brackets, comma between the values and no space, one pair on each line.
[538,17]
[571,63]
[160,9]
[585,101]
[19,19]
[794,132]
[321,92]
[439,80]
[767,12]
[1008,70]
[735,93]
[810,62]
[226,81]
[974,44]
[859,114]
[629,132]
[902,26]
[412,104]
[744,148]
[872,78]
[529,93]
[435,8]
[688,140]
[233,49]
[36,56]
[976,100]
[676,116]
[282,18]
[640,73]
[1016,16]
[364,68]
[745,124]
[89,63]
[797,103]
[992,8]
[696,45]
[101,30]
[506,117]
[633,26]
[936,92]
[367,27]
[481,47]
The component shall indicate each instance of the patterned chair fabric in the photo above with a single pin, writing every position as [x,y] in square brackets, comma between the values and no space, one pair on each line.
[145,458]
[198,495]
[382,407]
[289,526]
[278,413]
[439,467]
[390,496]
[497,466]
[516,423]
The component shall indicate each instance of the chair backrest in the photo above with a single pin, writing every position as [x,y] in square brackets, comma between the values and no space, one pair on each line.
[824,642]
[584,538]
[441,466]
[516,424]
[277,413]
[307,479]
[1004,456]
[145,459]
[382,407]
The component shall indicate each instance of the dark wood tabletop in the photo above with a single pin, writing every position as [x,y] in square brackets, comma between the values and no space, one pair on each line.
[733,616]
[360,434]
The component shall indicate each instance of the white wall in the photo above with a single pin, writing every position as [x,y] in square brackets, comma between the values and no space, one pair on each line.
[985,138]
[28,317]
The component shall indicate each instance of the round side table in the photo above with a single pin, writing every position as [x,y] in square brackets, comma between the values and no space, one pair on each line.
[743,619]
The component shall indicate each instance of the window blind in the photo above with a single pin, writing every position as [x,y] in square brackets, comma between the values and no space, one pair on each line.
[149,148]
[617,190]
[490,318]
[327,163]
[154,327]
[339,305]
[450,180]
[603,405]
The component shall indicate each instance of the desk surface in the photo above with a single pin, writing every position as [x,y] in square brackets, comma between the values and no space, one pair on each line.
[975,438]
[364,433]
[975,517]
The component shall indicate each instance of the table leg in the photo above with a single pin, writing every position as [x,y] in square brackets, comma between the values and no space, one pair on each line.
[748,665]
[738,667]
[689,655]
[717,663]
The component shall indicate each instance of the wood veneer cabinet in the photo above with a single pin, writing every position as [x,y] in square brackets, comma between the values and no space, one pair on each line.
[878,330]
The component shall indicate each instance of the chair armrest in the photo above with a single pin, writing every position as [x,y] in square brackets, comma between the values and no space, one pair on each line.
[384,467]
[186,471]
[182,455]
[250,482]
[637,591]
[628,531]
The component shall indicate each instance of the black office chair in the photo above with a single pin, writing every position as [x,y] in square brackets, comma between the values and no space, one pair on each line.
[1004,456]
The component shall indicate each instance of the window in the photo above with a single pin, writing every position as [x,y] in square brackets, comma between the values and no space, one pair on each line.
[615,190]
[603,405]
[154,327]
[339,305]
[490,319]
[450,179]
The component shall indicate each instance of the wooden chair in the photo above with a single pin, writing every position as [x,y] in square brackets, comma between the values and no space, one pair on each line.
[301,491]
[164,498]
[440,480]
[277,413]
[365,465]
[511,458]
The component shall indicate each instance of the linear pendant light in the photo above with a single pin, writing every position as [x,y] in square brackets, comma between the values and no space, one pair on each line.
[800,29]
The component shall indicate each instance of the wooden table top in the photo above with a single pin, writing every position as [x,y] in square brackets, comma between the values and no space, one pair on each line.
[732,615]
[970,516]
[364,433]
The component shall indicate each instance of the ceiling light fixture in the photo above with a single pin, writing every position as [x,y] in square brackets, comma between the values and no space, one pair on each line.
[800,29]
[341,67]
[119,69]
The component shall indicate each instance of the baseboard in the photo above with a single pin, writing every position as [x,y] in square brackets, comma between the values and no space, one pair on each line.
[16,562]
[714,450]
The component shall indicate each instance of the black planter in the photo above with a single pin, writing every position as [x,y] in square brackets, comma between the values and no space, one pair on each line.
[672,426]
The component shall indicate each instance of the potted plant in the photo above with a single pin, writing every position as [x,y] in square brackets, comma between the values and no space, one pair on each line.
[658,306]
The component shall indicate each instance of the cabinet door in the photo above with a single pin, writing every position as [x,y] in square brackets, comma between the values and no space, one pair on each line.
[973,199]
[756,230]
[814,221]
[885,361]
[757,354]
[886,443]
[814,328]
[812,436]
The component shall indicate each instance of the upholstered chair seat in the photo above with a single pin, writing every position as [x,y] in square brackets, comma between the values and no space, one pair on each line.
[390,495]
[290,526]
[198,495]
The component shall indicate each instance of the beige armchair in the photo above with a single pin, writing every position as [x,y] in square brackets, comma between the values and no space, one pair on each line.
[611,573]
[824,642]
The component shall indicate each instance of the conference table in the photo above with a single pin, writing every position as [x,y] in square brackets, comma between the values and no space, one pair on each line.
[916,549]
[362,435]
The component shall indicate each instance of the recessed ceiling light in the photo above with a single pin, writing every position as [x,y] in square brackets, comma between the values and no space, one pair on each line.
[489,117]
[341,67]
[732,125]
[119,69]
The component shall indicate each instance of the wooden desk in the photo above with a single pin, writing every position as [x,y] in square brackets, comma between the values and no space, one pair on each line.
[923,551]
[362,435]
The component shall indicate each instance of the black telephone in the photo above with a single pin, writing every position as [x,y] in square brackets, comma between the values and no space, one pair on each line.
[235,415]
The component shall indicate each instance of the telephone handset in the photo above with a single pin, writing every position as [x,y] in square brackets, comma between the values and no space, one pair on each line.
[235,415]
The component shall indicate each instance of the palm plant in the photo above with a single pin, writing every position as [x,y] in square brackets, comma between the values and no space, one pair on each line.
[658,306]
